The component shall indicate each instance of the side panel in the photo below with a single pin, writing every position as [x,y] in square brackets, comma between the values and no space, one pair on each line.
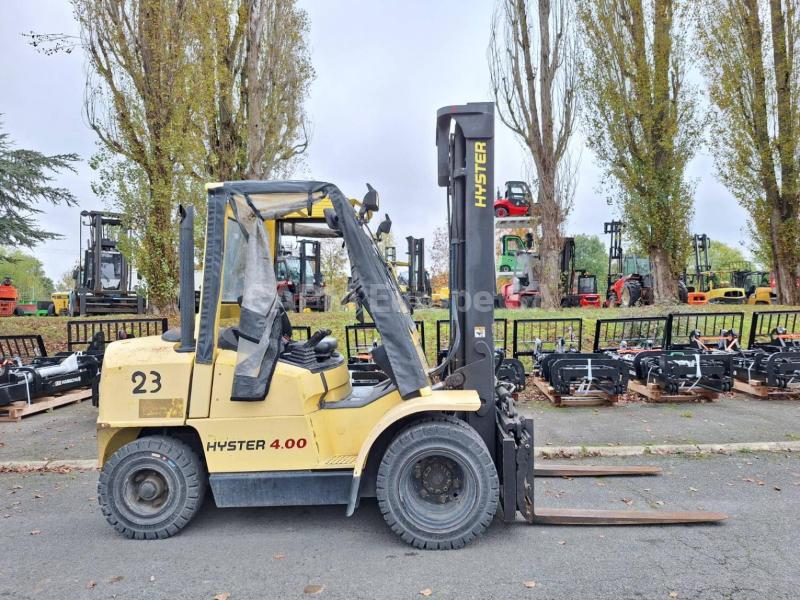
[145,383]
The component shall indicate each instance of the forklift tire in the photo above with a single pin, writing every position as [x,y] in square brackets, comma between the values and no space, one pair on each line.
[51,310]
[437,486]
[500,212]
[152,487]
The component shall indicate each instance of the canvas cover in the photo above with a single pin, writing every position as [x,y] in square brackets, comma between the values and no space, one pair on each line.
[260,340]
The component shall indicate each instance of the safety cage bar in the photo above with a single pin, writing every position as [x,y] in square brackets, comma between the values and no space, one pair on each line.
[499,334]
[766,322]
[25,346]
[80,332]
[360,337]
[682,326]
[635,332]
[547,333]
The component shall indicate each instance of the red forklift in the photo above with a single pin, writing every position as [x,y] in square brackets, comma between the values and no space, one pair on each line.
[8,298]
[579,287]
[516,202]
[300,282]
[630,282]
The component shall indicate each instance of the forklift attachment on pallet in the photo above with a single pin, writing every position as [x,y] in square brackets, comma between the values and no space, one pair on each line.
[772,357]
[25,347]
[48,375]
[641,343]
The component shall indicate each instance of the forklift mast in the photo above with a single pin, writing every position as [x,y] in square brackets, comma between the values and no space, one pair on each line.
[568,265]
[418,283]
[102,244]
[701,245]
[465,147]
[315,254]
[615,268]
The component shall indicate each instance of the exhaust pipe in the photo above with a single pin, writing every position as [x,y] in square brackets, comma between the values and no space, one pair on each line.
[186,273]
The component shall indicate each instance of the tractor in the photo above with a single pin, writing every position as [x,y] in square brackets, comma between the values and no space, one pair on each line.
[516,202]
[263,420]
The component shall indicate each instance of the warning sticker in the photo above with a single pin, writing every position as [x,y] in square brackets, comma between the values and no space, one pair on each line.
[480,331]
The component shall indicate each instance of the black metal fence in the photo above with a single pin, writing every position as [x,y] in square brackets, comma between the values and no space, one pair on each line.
[633,332]
[361,337]
[544,335]
[80,332]
[24,346]
[682,326]
[765,323]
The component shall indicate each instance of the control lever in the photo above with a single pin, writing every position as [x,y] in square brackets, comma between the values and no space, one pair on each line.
[317,338]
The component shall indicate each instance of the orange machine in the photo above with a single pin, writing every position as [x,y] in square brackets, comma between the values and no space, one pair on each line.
[8,298]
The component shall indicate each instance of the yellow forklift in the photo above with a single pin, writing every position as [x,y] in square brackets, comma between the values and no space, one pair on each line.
[267,421]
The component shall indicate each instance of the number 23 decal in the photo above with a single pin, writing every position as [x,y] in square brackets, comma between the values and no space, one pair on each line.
[139,379]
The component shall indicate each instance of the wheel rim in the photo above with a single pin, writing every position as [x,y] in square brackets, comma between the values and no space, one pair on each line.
[438,490]
[501,212]
[146,492]
[626,297]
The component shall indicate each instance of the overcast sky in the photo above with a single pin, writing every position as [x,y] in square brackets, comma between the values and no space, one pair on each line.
[383,69]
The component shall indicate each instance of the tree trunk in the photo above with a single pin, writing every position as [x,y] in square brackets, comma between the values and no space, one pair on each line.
[665,282]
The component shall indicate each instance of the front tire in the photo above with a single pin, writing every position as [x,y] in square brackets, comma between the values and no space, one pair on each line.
[631,294]
[437,486]
[152,488]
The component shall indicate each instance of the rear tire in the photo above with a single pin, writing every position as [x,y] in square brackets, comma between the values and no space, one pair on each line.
[631,293]
[152,488]
[437,486]
[51,310]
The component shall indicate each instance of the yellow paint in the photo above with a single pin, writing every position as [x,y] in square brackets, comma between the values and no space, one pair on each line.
[60,302]
[164,375]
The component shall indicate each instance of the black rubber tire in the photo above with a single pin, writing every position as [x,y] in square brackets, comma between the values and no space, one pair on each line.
[471,512]
[501,212]
[176,463]
[51,310]
[505,269]
[634,289]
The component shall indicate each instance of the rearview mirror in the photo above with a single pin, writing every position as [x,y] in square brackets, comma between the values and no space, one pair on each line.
[385,227]
[371,201]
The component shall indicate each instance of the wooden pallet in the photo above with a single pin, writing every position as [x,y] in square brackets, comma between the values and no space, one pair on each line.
[653,393]
[14,412]
[591,398]
[761,391]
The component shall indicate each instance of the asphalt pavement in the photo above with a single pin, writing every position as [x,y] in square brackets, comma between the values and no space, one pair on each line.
[69,432]
[56,544]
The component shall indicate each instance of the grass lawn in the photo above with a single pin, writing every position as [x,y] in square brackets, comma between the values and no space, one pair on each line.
[54,329]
